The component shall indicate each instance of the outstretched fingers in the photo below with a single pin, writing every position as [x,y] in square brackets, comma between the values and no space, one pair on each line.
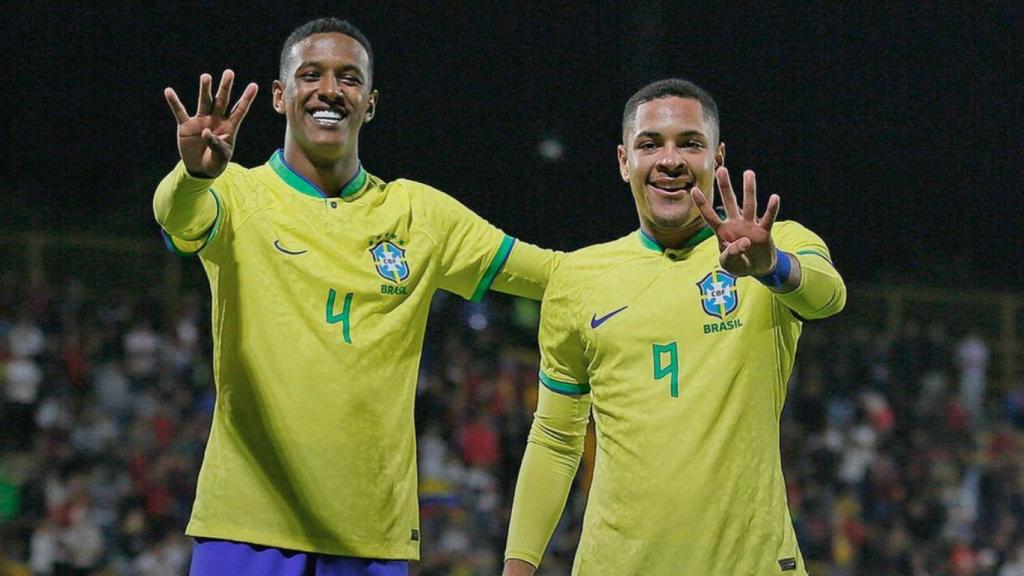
[770,213]
[205,95]
[242,106]
[706,211]
[749,195]
[177,108]
[732,210]
[220,101]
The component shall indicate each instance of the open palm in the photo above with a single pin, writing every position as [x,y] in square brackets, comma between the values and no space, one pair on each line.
[745,241]
[206,140]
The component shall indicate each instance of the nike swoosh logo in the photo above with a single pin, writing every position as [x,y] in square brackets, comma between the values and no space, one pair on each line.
[595,321]
[277,244]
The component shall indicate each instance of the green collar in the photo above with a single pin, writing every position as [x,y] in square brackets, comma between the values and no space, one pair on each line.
[304,186]
[652,244]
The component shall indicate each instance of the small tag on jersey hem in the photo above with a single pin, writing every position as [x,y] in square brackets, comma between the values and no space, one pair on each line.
[787,564]
[415,535]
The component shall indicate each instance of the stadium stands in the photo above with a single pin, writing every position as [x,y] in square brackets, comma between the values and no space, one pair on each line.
[903,454]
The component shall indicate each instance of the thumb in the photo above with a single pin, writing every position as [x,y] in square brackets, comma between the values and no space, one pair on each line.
[221,149]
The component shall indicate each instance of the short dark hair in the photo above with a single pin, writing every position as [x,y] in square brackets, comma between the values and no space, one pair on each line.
[322,26]
[670,87]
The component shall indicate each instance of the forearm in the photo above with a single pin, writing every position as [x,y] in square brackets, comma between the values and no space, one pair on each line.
[517,567]
[546,474]
[527,271]
[814,289]
[183,205]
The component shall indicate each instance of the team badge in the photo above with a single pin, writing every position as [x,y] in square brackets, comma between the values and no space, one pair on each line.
[390,261]
[718,295]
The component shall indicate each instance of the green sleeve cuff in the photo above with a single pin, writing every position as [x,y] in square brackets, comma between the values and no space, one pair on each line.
[202,241]
[561,387]
[500,257]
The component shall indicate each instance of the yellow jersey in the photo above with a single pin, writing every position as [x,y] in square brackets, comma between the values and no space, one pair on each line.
[319,306]
[684,368]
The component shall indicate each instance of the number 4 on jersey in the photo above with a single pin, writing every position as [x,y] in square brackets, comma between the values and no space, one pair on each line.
[671,368]
[333,318]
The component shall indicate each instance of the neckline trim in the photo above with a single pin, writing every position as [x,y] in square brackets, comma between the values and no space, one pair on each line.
[303,186]
[651,244]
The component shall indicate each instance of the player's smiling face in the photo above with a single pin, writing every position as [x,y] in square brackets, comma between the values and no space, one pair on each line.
[669,149]
[326,95]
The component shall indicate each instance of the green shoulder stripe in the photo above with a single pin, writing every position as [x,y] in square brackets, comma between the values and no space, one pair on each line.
[495,266]
[563,387]
[813,253]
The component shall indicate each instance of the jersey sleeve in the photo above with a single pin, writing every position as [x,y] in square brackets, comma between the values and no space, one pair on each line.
[559,427]
[822,292]
[563,362]
[472,251]
[527,271]
[191,211]
[545,477]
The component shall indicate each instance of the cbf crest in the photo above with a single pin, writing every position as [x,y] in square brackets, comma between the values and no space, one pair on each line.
[390,261]
[718,295]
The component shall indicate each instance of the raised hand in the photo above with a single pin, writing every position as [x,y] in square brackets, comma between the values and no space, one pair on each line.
[207,140]
[745,241]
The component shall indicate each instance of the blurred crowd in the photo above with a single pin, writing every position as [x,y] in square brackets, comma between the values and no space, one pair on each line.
[901,453]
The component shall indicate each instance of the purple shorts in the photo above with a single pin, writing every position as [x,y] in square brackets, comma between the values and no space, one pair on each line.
[227,558]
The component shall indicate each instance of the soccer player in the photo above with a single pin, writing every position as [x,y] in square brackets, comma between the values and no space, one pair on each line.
[321,277]
[679,338]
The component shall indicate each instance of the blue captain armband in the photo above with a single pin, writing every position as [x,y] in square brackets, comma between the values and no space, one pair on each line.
[780,274]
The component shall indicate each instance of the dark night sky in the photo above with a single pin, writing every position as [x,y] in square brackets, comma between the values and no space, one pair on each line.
[894,132]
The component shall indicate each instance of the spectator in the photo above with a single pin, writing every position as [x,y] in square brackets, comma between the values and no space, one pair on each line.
[23,377]
[25,339]
[972,360]
[888,471]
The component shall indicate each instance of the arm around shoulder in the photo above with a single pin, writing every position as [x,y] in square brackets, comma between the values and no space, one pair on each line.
[476,256]
[527,270]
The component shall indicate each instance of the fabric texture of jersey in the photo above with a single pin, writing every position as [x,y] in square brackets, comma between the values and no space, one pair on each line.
[318,315]
[686,368]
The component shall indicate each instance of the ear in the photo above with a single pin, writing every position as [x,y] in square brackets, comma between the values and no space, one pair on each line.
[371,107]
[623,163]
[277,93]
[720,155]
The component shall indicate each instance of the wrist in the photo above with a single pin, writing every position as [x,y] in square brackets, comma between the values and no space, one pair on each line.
[194,174]
[779,273]
[198,175]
